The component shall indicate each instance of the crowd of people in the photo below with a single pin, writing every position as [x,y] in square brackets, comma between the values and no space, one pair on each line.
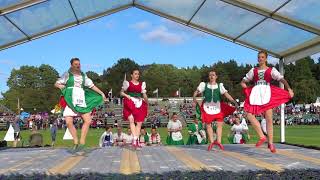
[121,138]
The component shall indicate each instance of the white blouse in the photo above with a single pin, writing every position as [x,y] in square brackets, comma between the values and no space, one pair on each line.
[129,138]
[275,74]
[174,125]
[202,87]
[77,80]
[126,84]
[238,129]
[120,138]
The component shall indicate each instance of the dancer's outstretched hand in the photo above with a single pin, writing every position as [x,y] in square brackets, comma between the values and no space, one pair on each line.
[236,105]
[104,98]
[61,86]
[291,93]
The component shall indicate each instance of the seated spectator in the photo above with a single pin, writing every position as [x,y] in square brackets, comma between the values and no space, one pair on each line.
[99,124]
[129,137]
[239,133]
[115,123]
[35,139]
[155,138]
[196,133]
[155,121]
[144,137]
[94,123]
[174,131]
[106,138]
[119,139]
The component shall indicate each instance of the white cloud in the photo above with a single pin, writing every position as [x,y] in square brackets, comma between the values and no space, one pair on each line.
[91,66]
[162,34]
[141,25]
[7,62]
[167,32]
[171,25]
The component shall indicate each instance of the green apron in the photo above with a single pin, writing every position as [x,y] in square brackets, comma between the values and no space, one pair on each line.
[92,98]
[193,138]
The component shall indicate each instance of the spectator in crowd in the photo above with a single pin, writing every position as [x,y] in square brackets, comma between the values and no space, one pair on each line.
[155,121]
[31,122]
[53,130]
[129,137]
[106,138]
[115,123]
[99,124]
[155,138]
[174,131]
[16,128]
[119,139]
[239,132]
[197,134]
[144,137]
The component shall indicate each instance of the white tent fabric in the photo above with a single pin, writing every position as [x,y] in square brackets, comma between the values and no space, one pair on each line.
[10,134]
[67,135]
[288,29]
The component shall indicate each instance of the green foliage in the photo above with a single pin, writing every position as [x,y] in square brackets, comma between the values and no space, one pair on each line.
[34,88]
[303,78]
[114,75]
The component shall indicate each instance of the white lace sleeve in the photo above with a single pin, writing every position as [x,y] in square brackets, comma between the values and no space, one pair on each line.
[125,85]
[144,86]
[88,82]
[201,87]
[222,89]
[232,128]
[63,79]
[276,74]
[244,124]
[169,126]
[249,76]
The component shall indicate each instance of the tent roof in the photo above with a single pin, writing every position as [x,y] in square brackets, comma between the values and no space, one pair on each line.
[288,29]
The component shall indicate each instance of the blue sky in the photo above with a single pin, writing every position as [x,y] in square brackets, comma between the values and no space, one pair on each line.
[132,33]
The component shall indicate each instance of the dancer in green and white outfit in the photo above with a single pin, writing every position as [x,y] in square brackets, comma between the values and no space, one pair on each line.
[79,96]
[174,131]
[197,135]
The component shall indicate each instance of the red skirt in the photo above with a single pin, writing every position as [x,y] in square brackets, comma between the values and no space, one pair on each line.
[129,108]
[226,110]
[278,96]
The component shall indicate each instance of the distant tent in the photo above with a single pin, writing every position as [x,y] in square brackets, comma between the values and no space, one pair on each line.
[317,104]
[67,135]
[10,134]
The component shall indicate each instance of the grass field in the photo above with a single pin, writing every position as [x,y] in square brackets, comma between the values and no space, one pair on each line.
[303,135]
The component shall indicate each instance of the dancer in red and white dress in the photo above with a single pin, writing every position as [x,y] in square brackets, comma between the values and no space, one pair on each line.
[135,104]
[213,108]
[263,97]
